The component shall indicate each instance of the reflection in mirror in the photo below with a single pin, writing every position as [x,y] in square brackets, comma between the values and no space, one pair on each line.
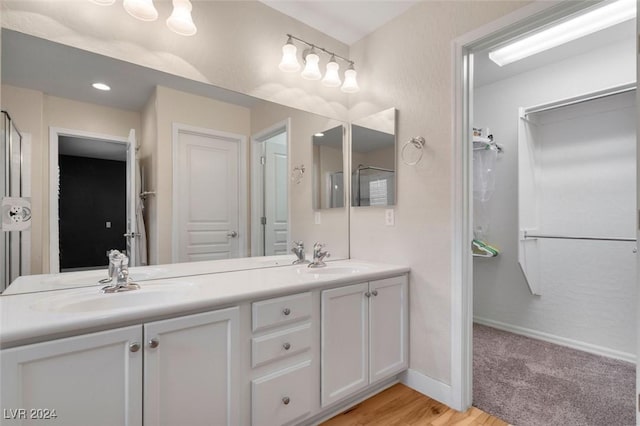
[328,173]
[215,169]
[373,160]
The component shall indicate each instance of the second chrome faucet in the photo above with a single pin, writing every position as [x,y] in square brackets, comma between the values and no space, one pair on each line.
[318,255]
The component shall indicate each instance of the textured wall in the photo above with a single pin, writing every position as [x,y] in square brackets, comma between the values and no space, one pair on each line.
[407,64]
[586,303]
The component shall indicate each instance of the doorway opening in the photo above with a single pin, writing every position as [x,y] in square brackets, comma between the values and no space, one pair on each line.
[91,206]
[536,193]
[270,188]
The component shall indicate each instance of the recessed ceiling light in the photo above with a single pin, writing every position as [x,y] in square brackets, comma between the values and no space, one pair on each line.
[319,135]
[101,86]
[598,19]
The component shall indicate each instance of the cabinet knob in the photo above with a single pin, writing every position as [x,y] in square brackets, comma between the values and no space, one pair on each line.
[286,400]
[367,294]
[374,292]
[286,346]
[286,311]
[153,343]
[134,347]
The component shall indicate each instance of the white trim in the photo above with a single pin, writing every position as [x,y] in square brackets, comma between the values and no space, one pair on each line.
[54,134]
[25,259]
[558,340]
[432,388]
[462,207]
[241,140]
[257,181]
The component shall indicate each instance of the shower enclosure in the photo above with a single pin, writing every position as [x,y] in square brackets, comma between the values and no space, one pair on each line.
[11,240]
[373,186]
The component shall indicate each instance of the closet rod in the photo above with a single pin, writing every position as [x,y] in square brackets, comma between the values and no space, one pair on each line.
[580,99]
[567,237]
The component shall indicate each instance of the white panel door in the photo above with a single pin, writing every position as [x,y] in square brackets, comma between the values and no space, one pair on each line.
[345,342]
[94,379]
[388,327]
[275,197]
[208,202]
[190,370]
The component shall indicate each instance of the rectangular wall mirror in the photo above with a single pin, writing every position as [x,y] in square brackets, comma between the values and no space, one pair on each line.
[373,160]
[328,173]
[216,173]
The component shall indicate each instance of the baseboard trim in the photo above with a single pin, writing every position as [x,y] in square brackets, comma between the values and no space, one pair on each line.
[562,341]
[432,388]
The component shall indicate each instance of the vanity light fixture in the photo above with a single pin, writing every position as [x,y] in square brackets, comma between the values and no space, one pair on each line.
[180,21]
[582,25]
[311,71]
[331,77]
[101,86]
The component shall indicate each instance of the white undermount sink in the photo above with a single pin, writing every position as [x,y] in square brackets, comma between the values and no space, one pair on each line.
[93,301]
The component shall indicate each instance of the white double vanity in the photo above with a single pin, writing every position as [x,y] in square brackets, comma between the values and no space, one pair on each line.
[265,346]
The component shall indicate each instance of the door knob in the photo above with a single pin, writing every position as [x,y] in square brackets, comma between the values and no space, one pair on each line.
[232,234]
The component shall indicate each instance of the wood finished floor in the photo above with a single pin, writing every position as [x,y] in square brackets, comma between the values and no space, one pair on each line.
[402,406]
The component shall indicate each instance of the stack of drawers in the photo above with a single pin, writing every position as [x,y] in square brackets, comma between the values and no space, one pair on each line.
[282,330]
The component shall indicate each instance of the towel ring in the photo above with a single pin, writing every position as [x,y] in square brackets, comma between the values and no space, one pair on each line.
[418,143]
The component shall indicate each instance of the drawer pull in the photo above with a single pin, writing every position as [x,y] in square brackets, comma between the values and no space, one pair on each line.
[287,346]
[286,400]
[153,343]
[134,347]
[286,311]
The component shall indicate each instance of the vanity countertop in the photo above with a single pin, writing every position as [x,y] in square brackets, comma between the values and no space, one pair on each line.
[34,317]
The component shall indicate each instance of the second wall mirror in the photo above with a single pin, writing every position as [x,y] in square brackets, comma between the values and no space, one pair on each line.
[373,160]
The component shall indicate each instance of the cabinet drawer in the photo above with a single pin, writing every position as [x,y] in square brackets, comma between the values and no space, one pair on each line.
[281,397]
[280,344]
[281,310]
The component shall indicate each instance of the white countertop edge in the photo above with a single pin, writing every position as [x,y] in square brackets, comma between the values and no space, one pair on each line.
[72,324]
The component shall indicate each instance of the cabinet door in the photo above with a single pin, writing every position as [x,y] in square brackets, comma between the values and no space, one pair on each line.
[345,342]
[91,379]
[388,327]
[190,370]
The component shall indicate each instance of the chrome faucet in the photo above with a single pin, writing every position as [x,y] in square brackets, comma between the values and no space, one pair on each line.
[318,256]
[298,250]
[118,274]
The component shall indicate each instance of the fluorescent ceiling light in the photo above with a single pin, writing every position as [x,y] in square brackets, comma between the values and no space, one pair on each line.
[598,19]
[101,86]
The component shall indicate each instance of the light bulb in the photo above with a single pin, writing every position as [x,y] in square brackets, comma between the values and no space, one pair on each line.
[311,70]
[103,2]
[331,77]
[143,10]
[289,62]
[180,21]
[350,84]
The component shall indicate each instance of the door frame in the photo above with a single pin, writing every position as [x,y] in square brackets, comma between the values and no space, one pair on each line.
[257,182]
[54,135]
[522,20]
[241,140]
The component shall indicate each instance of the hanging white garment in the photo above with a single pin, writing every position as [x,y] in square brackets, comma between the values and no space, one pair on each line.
[141,247]
[484,162]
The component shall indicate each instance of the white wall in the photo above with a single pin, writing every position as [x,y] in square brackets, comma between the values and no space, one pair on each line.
[407,64]
[585,297]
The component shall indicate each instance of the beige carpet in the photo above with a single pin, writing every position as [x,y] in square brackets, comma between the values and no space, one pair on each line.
[528,382]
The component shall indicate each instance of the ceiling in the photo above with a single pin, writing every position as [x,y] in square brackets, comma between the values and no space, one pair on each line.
[487,72]
[67,72]
[345,20]
[92,148]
